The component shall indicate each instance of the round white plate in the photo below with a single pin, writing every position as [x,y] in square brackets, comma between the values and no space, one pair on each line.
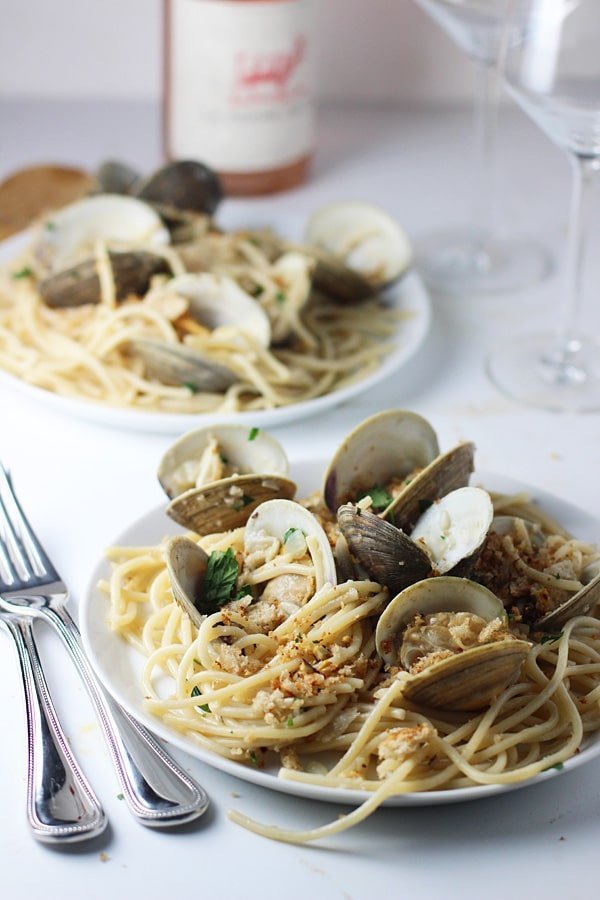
[409,296]
[119,666]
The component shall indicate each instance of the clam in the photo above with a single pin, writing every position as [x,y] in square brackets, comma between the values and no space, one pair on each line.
[388,445]
[361,248]
[446,538]
[216,300]
[183,184]
[450,633]
[80,284]
[445,473]
[217,476]
[290,523]
[498,569]
[385,553]
[114,177]
[187,564]
[70,235]
[179,365]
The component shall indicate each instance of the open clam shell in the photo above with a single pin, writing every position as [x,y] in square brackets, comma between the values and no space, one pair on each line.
[454,528]
[278,519]
[186,564]
[468,680]
[242,449]
[387,445]
[363,238]
[70,234]
[580,604]
[216,300]
[227,504]
[446,473]
[183,184]
[388,555]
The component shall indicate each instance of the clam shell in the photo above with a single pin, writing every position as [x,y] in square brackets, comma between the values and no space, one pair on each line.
[178,365]
[186,565]
[580,604]
[227,504]
[183,184]
[69,235]
[276,517]
[248,451]
[454,529]
[80,284]
[388,555]
[365,238]
[386,445]
[446,473]
[446,593]
[217,300]
[468,681]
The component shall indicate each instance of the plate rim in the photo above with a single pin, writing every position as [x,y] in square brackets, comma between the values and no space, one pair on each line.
[410,291]
[269,779]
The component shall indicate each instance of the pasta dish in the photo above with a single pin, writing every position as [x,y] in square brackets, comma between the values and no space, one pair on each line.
[184,319]
[274,638]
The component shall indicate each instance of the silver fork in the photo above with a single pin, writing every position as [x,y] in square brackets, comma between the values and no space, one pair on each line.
[156,790]
[61,806]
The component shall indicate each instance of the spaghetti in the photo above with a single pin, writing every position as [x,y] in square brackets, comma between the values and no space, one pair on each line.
[88,352]
[300,678]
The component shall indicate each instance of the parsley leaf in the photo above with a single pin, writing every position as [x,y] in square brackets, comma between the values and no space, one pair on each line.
[253,434]
[195,691]
[25,272]
[242,502]
[219,580]
[551,638]
[379,497]
[245,591]
[253,758]
[290,722]
[559,767]
[280,297]
[289,533]
[191,387]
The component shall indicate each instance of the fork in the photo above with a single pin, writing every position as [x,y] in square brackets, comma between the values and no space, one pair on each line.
[156,790]
[61,806]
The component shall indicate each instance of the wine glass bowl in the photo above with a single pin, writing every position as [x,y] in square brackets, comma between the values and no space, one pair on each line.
[551,67]
[475,259]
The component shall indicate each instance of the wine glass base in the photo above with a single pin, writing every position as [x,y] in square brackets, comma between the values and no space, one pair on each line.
[536,371]
[461,261]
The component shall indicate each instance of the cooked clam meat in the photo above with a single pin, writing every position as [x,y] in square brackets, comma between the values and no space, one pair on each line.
[428,639]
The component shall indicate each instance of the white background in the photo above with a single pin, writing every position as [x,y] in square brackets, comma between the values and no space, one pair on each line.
[377,50]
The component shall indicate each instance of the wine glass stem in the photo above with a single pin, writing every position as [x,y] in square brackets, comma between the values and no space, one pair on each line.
[486,111]
[584,171]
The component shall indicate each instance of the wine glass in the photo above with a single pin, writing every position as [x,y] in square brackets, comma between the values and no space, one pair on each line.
[551,67]
[475,259]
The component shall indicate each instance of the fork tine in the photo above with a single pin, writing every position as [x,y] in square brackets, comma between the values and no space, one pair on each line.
[20,537]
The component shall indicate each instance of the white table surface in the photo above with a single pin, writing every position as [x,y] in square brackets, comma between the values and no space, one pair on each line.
[84,483]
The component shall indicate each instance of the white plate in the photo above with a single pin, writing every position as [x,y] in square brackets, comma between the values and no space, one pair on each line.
[409,296]
[119,666]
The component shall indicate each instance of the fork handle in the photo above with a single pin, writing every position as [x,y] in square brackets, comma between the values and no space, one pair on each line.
[61,806]
[156,790]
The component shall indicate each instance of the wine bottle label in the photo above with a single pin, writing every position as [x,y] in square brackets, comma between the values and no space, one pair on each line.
[240,83]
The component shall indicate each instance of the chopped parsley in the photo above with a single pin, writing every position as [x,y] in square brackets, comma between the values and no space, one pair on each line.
[224,459]
[120,797]
[245,591]
[50,226]
[280,297]
[219,581]
[258,290]
[559,767]
[197,693]
[551,638]
[253,434]
[253,758]
[379,497]
[191,387]
[25,272]
[289,533]
[290,722]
